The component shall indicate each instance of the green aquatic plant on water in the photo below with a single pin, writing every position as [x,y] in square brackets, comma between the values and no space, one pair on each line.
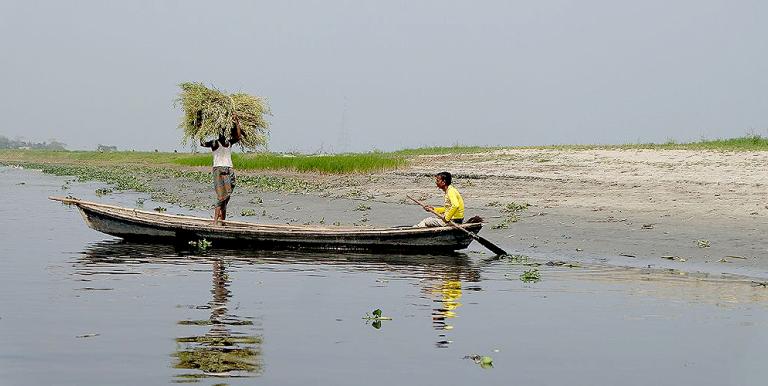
[511,209]
[375,317]
[362,207]
[483,361]
[530,276]
[517,259]
[514,207]
[248,212]
[103,191]
[276,184]
[504,224]
[562,264]
[202,245]
[122,178]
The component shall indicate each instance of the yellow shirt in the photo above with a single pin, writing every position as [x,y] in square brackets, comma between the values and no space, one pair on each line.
[454,204]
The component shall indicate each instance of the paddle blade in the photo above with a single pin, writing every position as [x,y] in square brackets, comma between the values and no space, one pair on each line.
[491,246]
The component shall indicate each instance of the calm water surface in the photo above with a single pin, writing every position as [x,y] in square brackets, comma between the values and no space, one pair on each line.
[81,308]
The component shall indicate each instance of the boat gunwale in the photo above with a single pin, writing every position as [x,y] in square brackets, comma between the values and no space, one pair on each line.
[241,227]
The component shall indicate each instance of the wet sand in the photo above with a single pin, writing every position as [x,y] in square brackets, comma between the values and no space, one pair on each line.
[687,210]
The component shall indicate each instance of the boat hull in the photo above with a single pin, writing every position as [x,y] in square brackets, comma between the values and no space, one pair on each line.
[139,226]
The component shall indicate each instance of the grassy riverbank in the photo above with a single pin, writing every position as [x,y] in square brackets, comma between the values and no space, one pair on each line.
[151,179]
[335,163]
[746,143]
[341,163]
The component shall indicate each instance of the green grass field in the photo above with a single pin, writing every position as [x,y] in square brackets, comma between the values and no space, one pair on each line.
[746,143]
[341,163]
[338,163]
[439,150]
[90,157]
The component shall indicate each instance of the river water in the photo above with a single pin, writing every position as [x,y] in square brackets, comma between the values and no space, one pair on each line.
[82,308]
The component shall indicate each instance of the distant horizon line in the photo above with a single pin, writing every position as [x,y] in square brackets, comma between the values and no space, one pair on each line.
[757,139]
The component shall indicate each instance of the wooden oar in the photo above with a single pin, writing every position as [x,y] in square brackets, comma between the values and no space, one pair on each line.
[491,246]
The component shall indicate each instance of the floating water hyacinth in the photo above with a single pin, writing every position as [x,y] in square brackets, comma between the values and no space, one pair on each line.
[209,112]
[530,276]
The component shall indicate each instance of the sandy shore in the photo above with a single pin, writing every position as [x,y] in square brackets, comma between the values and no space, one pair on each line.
[632,207]
[678,209]
[688,210]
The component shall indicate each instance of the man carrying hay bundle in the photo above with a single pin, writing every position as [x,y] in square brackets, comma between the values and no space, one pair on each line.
[227,119]
[223,171]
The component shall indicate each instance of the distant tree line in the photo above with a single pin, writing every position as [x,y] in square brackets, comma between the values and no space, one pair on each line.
[103,148]
[6,143]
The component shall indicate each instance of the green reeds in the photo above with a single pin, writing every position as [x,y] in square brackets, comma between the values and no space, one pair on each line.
[440,150]
[340,163]
[752,142]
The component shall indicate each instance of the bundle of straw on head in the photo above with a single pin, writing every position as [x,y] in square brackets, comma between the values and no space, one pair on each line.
[209,113]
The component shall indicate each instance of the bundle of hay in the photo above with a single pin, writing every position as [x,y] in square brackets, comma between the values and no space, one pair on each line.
[209,113]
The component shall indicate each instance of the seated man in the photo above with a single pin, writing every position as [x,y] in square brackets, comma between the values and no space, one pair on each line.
[454,204]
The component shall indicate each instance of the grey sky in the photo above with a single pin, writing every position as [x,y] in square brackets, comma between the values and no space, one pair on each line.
[410,73]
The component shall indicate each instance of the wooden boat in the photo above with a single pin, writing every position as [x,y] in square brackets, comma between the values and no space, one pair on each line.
[145,226]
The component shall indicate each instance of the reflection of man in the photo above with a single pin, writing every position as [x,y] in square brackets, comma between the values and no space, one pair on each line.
[221,297]
[220,351]
[450,294]
[454,204]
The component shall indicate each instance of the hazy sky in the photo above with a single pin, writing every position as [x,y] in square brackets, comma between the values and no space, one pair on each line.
[358,75]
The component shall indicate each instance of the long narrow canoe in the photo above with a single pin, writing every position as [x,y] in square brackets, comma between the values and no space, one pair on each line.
[145,226]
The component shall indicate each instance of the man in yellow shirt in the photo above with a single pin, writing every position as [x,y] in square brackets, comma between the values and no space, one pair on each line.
[454,204]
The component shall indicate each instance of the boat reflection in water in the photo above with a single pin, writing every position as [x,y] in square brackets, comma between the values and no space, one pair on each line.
[231,346]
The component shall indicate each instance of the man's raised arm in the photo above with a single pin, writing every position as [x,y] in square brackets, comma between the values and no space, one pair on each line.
[236,133]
